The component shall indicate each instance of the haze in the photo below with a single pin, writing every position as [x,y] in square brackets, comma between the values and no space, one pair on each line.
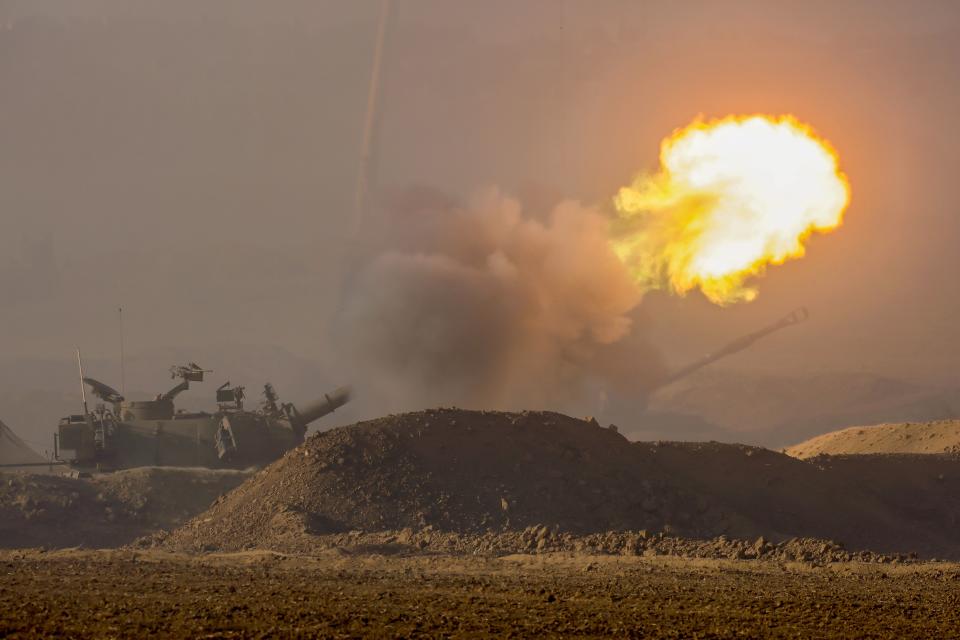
[196,164]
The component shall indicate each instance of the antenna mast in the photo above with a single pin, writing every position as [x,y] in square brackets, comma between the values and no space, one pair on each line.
[123,385]
[83,389]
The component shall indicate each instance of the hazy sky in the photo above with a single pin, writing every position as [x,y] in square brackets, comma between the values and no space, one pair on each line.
[195,160]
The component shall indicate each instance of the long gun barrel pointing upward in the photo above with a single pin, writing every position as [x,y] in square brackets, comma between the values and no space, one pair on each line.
[794,317]
[327,404]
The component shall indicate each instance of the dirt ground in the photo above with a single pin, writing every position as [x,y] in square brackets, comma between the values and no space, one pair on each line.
[451,523]
[262,594]
[105,511]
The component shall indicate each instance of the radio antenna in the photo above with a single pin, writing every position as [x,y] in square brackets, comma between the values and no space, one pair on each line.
[83,389]
[123,383]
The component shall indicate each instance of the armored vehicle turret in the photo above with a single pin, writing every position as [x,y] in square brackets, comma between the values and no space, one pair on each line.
[119,433]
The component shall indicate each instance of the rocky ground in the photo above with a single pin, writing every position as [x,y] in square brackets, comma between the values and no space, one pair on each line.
[540,539]
[485,473]
[107,510]
[341,594]
[466,523]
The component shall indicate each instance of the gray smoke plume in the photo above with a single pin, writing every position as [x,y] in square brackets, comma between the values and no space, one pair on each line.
[479,304]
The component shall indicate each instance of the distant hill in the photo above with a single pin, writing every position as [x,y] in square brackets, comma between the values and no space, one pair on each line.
[776,411]
[941,436]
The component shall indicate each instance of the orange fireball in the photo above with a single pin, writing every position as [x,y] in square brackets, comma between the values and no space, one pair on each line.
[731,197]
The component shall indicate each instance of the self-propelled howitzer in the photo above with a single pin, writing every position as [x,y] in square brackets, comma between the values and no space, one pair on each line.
[120,433]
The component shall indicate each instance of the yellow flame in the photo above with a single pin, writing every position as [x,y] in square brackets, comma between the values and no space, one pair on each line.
[731,196]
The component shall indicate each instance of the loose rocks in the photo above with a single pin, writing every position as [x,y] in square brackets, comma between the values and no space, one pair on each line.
[523,481]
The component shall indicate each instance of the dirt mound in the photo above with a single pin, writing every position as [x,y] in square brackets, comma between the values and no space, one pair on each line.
[921,491]
[105,511]
[455,470]
[941,436]
[481,472]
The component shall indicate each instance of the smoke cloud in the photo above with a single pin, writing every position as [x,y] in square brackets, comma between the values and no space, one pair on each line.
[483,304]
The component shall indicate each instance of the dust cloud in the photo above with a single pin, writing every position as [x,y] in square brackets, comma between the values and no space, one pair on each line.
[480,303]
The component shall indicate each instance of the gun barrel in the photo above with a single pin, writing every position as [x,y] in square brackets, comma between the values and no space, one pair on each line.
[327,404]
[794,317]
